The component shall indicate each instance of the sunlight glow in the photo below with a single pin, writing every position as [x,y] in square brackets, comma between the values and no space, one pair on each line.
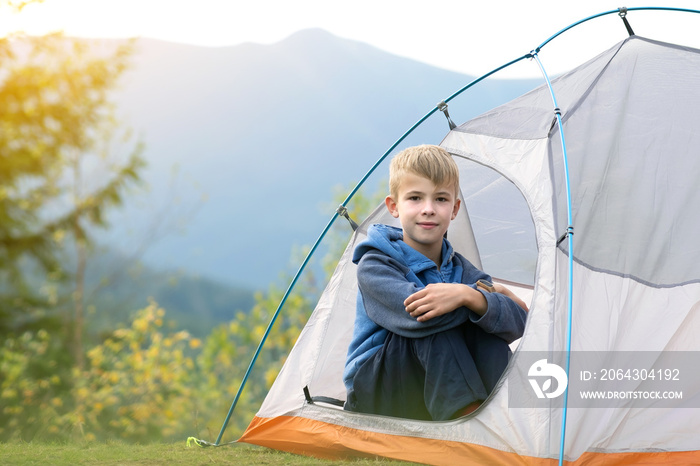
[468,37]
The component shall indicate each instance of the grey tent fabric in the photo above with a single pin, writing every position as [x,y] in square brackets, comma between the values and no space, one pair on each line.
[634,157]
[630,119]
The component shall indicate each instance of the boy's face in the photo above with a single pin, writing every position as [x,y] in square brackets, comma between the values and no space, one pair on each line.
[425,212]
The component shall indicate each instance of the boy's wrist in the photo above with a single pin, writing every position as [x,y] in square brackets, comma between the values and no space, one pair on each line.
[477,301]
[485,285]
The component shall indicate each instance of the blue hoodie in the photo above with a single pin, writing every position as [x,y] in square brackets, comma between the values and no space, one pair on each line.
[389,271]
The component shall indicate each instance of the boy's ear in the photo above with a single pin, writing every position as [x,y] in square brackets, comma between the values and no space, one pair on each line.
[455,209]
[391,206]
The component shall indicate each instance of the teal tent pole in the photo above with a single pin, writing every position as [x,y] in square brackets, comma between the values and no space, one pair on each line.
[570,234]
[369,173]
[641,8]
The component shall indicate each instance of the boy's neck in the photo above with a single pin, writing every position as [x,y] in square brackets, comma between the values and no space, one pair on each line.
[431,251]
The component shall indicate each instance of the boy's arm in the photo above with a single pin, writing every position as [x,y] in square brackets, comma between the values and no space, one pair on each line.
[496,313]
[384,289]
[504,290]
[504,318]
[437,299]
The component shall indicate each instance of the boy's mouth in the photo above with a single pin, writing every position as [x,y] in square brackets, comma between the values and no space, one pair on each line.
[427,224]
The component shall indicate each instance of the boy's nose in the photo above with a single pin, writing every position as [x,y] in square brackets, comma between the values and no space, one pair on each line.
[428,208]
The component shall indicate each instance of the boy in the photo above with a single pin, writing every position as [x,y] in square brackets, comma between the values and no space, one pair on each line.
[428,343]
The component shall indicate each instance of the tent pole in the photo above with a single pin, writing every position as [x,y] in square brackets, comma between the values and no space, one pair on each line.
[640,8]
[419,122]
[570,234]
[532,54]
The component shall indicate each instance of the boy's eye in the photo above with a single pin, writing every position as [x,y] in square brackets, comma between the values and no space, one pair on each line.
[414,198]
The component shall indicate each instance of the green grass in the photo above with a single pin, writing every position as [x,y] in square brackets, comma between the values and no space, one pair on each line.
[117,453]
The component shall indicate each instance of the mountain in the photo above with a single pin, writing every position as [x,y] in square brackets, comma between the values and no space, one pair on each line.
[245,144]
[117,286]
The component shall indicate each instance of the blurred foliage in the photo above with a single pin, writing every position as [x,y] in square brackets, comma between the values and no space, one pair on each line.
[229,349]
[57,176]
[32,385]
[143,381]
[138,384]
[64,162]
[149,381]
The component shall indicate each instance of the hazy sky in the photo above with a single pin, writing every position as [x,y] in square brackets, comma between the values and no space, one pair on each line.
[462,35]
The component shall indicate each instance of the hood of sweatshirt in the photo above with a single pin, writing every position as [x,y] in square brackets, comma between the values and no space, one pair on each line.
[389,240]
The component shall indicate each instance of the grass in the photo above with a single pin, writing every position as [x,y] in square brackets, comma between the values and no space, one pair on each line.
[117,453]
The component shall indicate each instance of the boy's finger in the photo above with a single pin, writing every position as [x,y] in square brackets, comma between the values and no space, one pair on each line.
[418,310]
[414,311]
[414,297]
[417,303]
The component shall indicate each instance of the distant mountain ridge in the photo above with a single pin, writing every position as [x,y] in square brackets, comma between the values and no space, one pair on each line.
[264,133]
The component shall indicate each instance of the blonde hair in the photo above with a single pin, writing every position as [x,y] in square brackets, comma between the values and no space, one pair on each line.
[429,161]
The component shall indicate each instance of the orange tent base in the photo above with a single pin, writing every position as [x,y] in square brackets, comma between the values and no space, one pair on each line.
[322,440]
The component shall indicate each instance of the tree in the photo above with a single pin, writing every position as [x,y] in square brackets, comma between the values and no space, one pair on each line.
[56,124]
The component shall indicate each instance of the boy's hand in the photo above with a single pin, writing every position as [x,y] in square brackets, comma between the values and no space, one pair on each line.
[437,299]
[505,291]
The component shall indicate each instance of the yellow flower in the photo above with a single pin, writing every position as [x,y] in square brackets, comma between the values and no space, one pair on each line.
[140,324]
[195,343]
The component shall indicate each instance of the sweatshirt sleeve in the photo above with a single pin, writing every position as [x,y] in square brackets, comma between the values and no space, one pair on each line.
[503,318]
[384,288]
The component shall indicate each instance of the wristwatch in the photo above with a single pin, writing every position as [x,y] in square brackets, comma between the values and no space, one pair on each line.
[485,285]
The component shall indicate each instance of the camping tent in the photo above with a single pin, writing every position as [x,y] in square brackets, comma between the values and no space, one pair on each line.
[627,176]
